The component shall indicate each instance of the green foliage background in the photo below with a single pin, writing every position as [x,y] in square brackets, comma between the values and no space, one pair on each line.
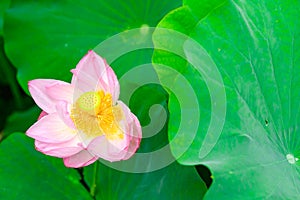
[253,44]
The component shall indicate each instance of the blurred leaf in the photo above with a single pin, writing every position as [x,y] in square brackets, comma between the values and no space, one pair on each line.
[8,76]
[6,106]
[20,121]
[3,64]
[59,33]
[28,174]
[4,4]
[253,44]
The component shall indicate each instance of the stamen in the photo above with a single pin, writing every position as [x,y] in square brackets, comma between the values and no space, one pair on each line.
[94,115]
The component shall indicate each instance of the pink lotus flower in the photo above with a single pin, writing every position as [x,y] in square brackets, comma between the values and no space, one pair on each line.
[84,121]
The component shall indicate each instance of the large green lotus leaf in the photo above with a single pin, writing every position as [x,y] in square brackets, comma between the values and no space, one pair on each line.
[28,174]
[253,46]
[172,181]
[46,39]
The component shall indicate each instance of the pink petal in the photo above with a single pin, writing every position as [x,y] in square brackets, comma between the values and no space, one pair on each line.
[60,91]
[134,130]
[51,129]
[113,84]
[81,159]
[37,89]
[88,71]
[119,149]
[103,148]
[42,114]
[92,73]
[63,110]
[60,150]
[136,139]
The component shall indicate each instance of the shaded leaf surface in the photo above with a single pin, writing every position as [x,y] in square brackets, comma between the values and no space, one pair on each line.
[173,182]
[20,121]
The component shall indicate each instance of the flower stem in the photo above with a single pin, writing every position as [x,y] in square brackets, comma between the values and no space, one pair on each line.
[94,185]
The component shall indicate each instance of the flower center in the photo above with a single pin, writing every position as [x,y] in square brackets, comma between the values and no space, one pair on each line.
[94,114]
